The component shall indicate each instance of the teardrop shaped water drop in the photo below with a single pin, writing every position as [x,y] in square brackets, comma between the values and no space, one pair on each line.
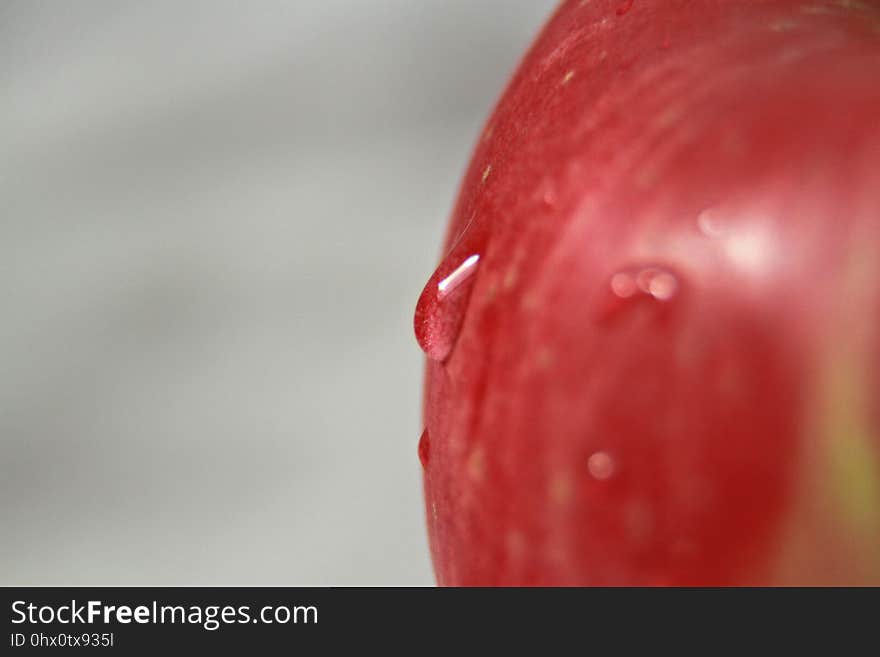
[443,303]
[424,448]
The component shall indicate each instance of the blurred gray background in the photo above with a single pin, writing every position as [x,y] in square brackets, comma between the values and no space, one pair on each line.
[215,220]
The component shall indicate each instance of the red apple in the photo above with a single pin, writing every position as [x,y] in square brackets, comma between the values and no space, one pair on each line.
[652,339]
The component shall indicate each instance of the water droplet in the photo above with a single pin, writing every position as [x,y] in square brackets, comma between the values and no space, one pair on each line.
[625,7]
[652,281]
[547,193]
[709,223]
[658,283]
[623,285]
[424,448]
[443,303]
[601,466]
[633,285]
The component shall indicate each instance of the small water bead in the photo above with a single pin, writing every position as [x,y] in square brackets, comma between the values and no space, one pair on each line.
[623,285]
[601,466]
[424,448]
[663,286]
[549,195]
[709,223]
[656,282]
[633,287]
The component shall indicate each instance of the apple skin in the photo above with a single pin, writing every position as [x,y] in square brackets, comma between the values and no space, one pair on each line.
[664,367]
